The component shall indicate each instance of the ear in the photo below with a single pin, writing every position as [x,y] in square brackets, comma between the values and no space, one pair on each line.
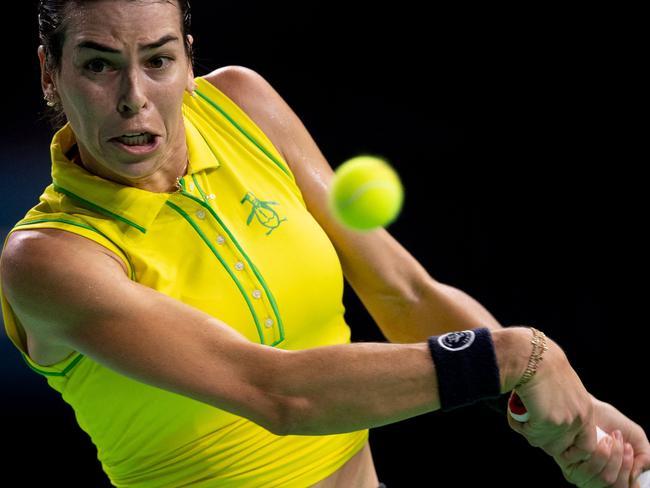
[47,81]
[191,84]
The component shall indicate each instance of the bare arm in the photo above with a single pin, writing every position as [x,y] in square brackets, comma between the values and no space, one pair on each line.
[407,303]
[69,291]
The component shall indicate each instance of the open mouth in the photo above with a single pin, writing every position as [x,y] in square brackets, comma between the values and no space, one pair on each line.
[141,139]
[137,143]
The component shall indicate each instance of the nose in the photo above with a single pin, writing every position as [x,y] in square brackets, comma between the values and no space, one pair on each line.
[132,94]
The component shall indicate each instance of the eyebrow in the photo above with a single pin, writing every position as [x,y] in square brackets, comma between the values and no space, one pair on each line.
[100,47]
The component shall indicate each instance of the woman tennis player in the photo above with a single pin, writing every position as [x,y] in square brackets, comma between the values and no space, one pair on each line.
[180,284]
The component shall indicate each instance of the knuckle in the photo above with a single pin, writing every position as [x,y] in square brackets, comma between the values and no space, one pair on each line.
[609,478]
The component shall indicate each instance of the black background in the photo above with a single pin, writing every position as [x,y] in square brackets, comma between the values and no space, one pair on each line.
[518,135]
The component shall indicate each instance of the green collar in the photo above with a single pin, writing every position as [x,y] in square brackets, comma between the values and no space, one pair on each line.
[133,206]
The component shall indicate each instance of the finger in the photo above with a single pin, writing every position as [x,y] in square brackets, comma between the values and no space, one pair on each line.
[623,480]
[598,460]
[585,474]
[574,455]
[582,446]
[564,446]
[610,473]
[524,429]
[641,463]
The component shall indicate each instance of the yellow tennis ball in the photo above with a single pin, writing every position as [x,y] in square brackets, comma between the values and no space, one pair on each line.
[366,193]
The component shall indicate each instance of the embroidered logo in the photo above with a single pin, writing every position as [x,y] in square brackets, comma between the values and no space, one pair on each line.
[265,214]
[457,341]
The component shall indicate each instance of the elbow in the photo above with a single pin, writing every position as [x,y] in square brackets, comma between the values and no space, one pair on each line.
[274,399]
[270,411]
[286,416]
[276,418]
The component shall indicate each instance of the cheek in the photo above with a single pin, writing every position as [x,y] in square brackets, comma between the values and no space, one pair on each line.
[86,103]
[169,105]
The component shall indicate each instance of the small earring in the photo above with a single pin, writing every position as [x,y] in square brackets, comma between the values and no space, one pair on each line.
[49,98]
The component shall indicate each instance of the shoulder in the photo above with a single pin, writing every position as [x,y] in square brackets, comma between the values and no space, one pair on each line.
[35,261]
[49,248]
[252,93]
[34,248]
[240,84]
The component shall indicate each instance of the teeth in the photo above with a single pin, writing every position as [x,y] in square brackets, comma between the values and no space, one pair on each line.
[136,140]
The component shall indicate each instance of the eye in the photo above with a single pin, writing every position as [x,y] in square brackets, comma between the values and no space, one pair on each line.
[96,65]
[160,62]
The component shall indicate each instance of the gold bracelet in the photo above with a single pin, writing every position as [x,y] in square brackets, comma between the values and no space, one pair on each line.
[539,348]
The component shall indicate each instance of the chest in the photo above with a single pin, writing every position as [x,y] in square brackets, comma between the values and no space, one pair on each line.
[243,248]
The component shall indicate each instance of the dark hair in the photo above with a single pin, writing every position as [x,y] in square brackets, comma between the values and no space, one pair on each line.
[52,15]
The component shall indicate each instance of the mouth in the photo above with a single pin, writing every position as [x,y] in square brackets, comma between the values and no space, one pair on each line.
[135,139]
[137,143]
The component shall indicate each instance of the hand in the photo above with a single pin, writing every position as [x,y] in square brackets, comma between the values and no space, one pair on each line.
[610,419]
[610,465]
[562,421]
[616,461]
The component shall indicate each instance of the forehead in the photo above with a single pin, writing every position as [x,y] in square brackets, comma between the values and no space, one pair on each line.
[122,21]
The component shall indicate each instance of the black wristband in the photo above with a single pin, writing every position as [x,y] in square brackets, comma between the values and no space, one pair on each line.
[466,366]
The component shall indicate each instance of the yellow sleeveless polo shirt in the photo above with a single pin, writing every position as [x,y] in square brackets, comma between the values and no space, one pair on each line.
[238,243]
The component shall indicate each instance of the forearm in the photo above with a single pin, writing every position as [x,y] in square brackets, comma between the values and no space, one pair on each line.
[349,387]
[405,301]
[433,309]
[449,309]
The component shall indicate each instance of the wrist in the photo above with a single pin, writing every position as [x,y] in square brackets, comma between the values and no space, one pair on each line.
[466,367]
[527,356]
[512,348]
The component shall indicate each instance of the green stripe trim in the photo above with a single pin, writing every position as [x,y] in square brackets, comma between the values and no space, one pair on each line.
[248,260]
[52,373]
[221,260]
[241,129]
[99,209]
[87,227]
[271,298]
[205,199]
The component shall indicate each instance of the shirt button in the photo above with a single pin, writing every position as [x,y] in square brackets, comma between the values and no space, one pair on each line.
[220,240]
[200,214]
[212,196]
[268,323]
[192,187]
[257,294]
[239,265]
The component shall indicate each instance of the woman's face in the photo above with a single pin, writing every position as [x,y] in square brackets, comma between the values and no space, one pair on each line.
[123,73]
